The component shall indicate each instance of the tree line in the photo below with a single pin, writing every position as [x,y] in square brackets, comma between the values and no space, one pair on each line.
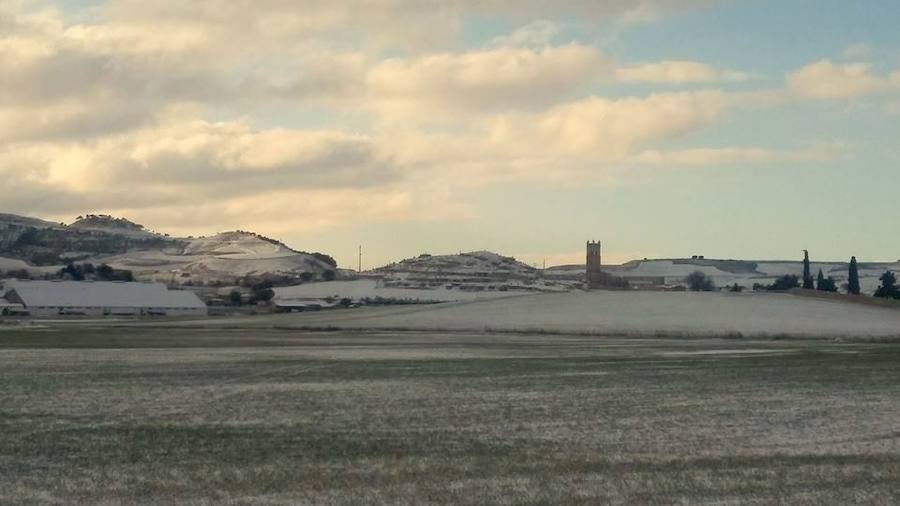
[87,271]
[76,272]
[698,281]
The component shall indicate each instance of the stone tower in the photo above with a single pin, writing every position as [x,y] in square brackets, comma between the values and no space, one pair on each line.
[594,274]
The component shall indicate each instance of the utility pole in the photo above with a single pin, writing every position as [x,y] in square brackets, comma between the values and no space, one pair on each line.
[359,269]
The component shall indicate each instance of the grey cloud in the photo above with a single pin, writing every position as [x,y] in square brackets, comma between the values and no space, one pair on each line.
[351,165]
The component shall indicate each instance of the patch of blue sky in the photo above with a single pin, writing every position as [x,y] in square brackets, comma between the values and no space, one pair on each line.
[770,37]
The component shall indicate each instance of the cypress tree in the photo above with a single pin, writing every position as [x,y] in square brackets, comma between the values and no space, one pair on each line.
[820,281]
[807,277]
[853,280]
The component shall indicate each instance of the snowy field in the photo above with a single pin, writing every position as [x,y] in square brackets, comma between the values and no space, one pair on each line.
[149,415]
[370,288]
[632,313]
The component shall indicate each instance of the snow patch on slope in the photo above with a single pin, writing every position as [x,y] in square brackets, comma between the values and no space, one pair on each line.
[642,314]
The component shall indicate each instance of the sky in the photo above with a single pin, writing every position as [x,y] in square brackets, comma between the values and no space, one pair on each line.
[746,129]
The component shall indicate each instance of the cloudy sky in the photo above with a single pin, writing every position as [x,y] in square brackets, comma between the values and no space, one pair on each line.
[730,128]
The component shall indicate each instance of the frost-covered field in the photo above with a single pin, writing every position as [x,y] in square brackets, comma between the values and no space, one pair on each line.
[634,313]
[143,415]
[369,288]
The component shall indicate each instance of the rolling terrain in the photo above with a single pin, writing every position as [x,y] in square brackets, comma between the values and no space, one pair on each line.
[43,247]
[629,313]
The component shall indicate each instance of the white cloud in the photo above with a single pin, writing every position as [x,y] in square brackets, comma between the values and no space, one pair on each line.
[827,80]
[200,161]
[485,80]
[589,139]
[677,72]
[536,34]
[284,212]
[610,128]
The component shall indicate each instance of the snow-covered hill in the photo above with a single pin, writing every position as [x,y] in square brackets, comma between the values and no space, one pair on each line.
[25,221]
[225,258]
[105,224]
[477,270]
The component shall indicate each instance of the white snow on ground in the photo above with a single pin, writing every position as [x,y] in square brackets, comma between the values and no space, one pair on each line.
[475,270]
[9,264]
[237,246]
[25,221]
[765,273]
[370,288]
[635,313]
[227,255]
[13,264]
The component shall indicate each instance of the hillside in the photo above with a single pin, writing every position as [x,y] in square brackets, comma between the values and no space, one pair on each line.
[477,270]
[226,258]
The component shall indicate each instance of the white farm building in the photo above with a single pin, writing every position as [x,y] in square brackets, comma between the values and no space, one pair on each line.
[50,299]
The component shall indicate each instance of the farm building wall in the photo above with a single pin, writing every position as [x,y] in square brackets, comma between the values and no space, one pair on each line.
[51,299]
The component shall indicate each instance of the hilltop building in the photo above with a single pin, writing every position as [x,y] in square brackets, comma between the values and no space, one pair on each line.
[50,299]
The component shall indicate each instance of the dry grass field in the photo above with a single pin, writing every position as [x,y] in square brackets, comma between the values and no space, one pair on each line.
[214,416]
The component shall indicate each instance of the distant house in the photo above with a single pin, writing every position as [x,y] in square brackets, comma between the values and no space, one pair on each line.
[50,299]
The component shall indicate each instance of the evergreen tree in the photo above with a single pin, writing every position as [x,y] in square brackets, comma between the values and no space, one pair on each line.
[853,281]
[888,288]
[72,272]
[824,284]
[104,272]
[807,276]
[784,283]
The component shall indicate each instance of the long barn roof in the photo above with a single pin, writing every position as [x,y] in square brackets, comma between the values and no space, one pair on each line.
[100,294]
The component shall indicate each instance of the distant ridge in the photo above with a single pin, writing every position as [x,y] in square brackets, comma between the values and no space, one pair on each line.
[745,273]
[221,259]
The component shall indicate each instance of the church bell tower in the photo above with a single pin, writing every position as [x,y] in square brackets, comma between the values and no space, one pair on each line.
[594,273]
